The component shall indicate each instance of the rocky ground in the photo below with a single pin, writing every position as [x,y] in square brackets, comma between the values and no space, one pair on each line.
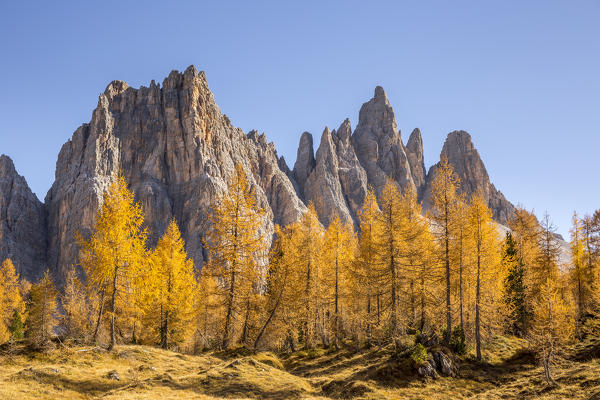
[136,372]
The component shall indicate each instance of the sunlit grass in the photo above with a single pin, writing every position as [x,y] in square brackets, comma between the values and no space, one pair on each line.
[510,372]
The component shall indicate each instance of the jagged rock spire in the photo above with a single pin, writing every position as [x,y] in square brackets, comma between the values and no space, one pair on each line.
[464,158]
[305,161]
[378,144]
[323,187]
[22,223]
[414,153]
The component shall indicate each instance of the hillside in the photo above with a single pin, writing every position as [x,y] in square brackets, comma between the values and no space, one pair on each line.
[150,373]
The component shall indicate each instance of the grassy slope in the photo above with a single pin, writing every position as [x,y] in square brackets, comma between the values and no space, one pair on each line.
[150,373]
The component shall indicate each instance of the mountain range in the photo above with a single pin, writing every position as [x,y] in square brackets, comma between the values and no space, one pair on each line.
[178,151]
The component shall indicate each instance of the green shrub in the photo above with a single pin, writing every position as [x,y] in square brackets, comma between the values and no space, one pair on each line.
[419,354]
[457,341]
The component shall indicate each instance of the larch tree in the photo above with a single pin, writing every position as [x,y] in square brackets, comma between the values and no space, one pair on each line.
[237,248]
[444,195]
[115,251]
[418,261]
[365,274]
[389,250]
[284,291]
[459,250]
[590,226]
[172,287]
[12,306]
[579,277]
[42,315]
[486,263]
[340,250]
[75,321]
[552,324]
[553,319]
[525,233]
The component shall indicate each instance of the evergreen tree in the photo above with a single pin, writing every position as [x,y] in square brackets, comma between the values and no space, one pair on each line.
[16,326]
[514,288]
[11,300]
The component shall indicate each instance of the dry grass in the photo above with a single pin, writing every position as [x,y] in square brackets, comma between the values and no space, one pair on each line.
[149,373]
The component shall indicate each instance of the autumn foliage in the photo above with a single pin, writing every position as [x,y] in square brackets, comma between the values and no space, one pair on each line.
[394,271]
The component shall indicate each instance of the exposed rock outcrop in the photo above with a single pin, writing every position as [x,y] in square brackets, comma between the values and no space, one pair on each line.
[414,153]
[22,223]
[178,153]
[464,158]
[378,144]
[323,187]
[305,161]
[353,177]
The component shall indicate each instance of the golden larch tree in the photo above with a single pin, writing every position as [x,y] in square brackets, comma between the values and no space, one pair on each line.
[365,275]
[75,321]
[444,195]
[339,253]
[42,315]
[389,252]
[115,252]
[237,248]
[173,288]
[486,264]
[12,305]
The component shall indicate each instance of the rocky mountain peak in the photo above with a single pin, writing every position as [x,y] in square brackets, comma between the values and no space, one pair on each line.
[414,153]
[22,223]
[378,144]
[344,132]
[323,187]
[467,164]
[305,160]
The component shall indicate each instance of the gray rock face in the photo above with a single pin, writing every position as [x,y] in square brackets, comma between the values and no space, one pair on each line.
[461,153]
[414,153]
[353,177]
[305,161]
[22,223]
[323,187]
[178,153]
[378,144]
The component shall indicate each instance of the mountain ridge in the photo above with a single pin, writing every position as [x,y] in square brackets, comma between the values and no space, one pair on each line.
[178,151]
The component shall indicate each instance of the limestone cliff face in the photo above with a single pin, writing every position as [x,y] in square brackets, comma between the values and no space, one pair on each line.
[178,153]
[22,223]
[378,144]
[414,153]
[462,154]
[323,187]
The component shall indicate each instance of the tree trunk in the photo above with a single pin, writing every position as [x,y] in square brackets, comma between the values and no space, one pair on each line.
[113,303]
[462,323]
[337,295]
[229,311]
[99,319]
[477,299]
[165,332]
[272,313]
[246,317]
[447,259]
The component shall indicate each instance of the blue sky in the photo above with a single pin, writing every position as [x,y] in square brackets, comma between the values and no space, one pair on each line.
[522,77]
